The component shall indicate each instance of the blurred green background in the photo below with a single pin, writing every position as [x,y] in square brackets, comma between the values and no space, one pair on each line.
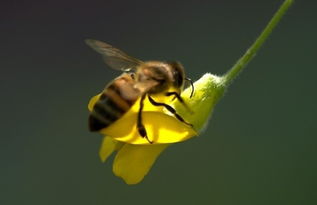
[260,145]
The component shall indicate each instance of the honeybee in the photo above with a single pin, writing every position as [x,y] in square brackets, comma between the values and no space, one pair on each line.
[139,80]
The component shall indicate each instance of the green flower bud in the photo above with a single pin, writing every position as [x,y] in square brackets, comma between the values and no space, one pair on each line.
[207,91]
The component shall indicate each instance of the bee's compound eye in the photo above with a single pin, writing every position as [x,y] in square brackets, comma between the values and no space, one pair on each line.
[178,74]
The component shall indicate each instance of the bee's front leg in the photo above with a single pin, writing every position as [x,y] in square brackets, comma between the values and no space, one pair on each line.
[180,99]
[170,109]
[140,126]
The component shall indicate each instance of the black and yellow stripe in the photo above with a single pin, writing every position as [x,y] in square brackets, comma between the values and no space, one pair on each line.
[109,108]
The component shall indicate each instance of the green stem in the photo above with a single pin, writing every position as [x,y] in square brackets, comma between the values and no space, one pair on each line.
[250,53]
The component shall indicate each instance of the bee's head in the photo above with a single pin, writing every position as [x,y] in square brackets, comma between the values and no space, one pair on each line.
[178,74]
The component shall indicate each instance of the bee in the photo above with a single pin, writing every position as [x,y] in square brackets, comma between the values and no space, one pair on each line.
[139,80]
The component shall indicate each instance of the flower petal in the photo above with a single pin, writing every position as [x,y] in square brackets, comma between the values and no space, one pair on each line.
[108,146]
[133,162]
[161,126]
[93,101]
[161,129]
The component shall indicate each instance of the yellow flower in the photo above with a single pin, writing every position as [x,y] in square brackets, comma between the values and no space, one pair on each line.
[135,154]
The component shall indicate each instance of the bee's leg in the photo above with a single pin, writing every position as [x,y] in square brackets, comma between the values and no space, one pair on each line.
[169,108]
[180,99]
[192,85]
[140,126]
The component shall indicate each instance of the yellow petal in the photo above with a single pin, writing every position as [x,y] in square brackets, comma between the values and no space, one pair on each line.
[161,129]
[108,146]
[133,162]
[93,101]
[161,126]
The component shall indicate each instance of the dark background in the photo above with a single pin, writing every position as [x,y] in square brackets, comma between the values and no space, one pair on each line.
[259,148]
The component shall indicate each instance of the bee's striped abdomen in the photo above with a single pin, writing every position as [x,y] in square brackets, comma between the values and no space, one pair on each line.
[111,105]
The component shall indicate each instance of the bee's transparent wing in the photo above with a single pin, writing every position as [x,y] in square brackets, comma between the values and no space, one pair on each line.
[113,57]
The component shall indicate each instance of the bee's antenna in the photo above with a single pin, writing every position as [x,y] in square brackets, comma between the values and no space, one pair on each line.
[192,85]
